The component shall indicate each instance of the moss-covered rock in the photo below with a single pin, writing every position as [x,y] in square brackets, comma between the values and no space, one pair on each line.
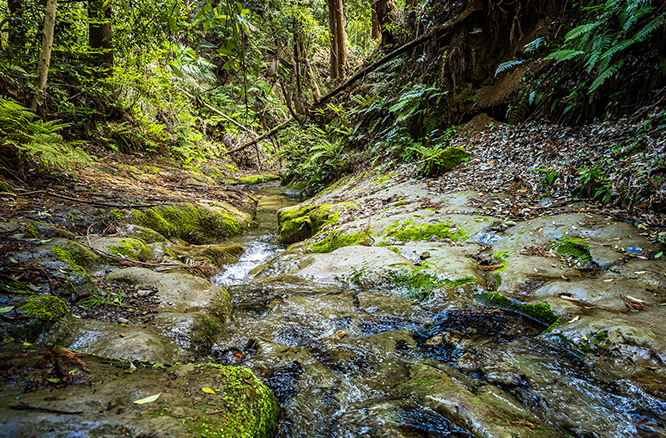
[302,222]
[194,331]
[540,312]
[132,249]
[44,311]
[337,240]
[443,161]
[37,229]
[408,231]
[195,224]
[256,179]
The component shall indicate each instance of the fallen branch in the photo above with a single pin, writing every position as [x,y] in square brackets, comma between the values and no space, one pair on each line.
[218,112]
[261,137]
[476,6]
[25,407]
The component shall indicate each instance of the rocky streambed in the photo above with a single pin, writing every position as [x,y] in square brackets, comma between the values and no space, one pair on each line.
[396,311]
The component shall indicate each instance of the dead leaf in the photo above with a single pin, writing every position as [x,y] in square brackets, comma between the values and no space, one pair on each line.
[490,267]
[150,399]
[633,303]
[207,390]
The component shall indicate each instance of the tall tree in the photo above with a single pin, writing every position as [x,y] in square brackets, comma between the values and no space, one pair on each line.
[383,12]
[336,21]
[100,34]
[47,47]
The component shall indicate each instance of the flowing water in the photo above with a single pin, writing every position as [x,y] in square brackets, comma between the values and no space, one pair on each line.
[348,362]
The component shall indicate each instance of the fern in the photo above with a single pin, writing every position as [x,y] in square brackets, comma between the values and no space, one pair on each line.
[605,75]
[563,55]
[507,66]
[533,45]
[581,30]
[38,139]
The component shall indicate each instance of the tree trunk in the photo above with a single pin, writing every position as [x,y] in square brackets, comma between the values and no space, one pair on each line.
[47,47]
[332,22]
[16,37]
[385,11]
[100,35]
[341,36]
[376,28]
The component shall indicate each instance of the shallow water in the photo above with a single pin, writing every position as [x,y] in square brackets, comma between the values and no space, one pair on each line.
[344,364]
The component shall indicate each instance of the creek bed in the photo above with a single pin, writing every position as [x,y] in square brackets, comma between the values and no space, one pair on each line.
[346,362]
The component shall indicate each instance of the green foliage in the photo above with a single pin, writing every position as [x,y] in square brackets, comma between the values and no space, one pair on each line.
[604,42]
[312,161]
[110,297]
[38,139]
[549,178]
[437,160]
[594,184]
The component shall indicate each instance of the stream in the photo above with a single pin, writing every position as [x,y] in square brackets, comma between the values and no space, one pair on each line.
[347,362]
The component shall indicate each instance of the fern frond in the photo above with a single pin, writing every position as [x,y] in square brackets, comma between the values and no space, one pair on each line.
[533,45]
[508,65]
[581,30]
[632,17]
[647,30]
[563,55]
[610,71]
[606,58]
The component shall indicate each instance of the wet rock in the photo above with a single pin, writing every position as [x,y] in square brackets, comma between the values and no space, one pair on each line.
[178,291]
[217,255]
[488,412]
[103,401]
[194,331]
[107,339]
[144,234]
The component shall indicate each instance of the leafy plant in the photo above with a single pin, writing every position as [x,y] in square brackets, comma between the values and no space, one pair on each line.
[594,184]
[549,178]
[601,44]
[113,298]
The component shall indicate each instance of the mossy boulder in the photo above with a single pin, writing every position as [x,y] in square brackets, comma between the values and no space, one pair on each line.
[128,248]
[256,179]
[41,312]
[193,223]
[443,161]
[37,229]
[304,221]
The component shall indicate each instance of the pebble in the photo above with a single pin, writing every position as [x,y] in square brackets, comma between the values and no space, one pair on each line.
[122,321]
[425,255]
[143,292]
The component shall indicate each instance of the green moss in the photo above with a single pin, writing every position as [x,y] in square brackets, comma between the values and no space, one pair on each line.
[150,169]
[205,329]
[4,187]
[45,307]
[258,179]
[406,231]
[302,222]
[117,215]
[30,231]
[250,408]
[74,254]
[577,249]
[337,240]
[540,312]
[132,249]
[194,224]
